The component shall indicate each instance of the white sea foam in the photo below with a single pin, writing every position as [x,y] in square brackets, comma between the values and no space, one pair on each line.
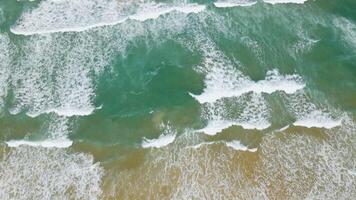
[256,114]
[5,60]
[348,30]
[49,143]
[80,15]
[285,1]
[155,11]
[67,112]
[273,82]
[223,82]
[236,3]
[318,119]
[216,126]
[55,75]
[49,173]
[236,145]
[249,111]
[58,72]
[308,114]
[229,4]
[217,86]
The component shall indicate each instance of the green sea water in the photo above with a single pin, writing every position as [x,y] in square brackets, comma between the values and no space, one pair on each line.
[177,99]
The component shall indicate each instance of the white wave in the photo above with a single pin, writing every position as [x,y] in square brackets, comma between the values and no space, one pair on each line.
[155,11]
[221,86]
[49,173]
[197,146]
[249,111]
[223,82]
[81,15]
[249,125]
[216,126]
[49,143]
[167,137]
[161,141]
[57,131]
[285,1]
[308,114]
[66,112]
[283,128]
[318,119]
[236,3]
[255,115]
[229,4]
[236,145]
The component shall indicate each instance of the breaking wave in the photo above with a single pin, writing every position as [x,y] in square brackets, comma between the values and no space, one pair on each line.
[80,15]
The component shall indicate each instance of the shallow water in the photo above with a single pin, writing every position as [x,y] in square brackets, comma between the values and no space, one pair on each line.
[177,99]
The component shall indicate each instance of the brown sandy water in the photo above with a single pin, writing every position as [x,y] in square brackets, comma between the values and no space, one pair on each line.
[287,165]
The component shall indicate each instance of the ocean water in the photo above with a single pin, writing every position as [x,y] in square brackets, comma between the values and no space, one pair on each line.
[177,99]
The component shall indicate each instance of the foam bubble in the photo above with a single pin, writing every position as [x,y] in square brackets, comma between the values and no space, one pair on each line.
[81,15]
[43,173]
[236,145]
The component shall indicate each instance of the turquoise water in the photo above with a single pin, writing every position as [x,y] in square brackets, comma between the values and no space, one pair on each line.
[177,99]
